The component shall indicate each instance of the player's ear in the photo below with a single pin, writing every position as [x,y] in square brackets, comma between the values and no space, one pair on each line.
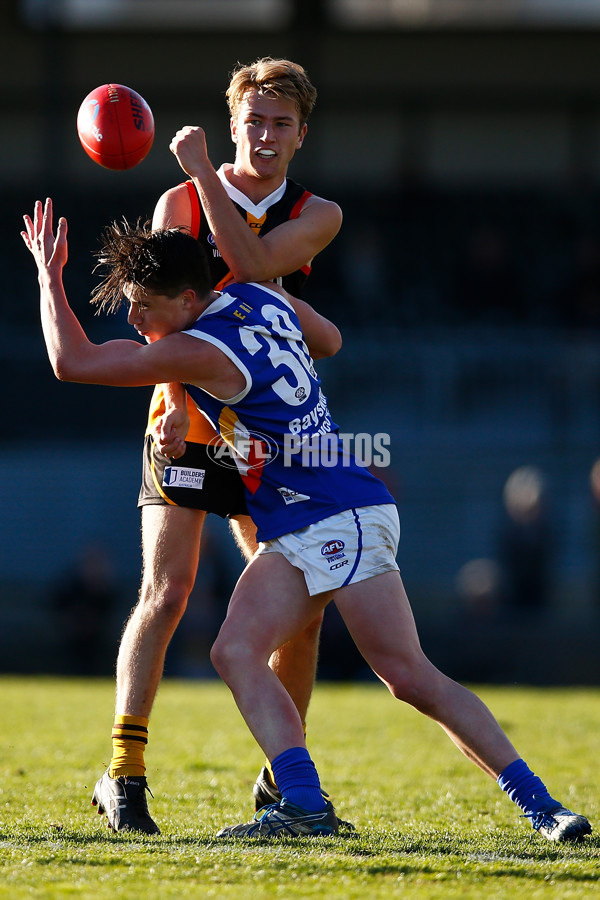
[188,298]
[233,129]
[301,136]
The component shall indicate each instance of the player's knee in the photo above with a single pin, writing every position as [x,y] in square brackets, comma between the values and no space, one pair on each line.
[218,660]
[231,656]
[224,659]
[166,600]
[401,686]
[411,683]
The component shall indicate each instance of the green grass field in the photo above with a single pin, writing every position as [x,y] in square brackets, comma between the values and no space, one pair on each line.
[430,824]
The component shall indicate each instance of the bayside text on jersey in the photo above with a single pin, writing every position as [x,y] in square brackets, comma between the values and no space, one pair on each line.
[281,407]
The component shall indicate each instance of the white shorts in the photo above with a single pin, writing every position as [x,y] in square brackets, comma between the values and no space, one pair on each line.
[351,546]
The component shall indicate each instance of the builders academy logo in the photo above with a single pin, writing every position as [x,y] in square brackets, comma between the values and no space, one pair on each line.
[183,477]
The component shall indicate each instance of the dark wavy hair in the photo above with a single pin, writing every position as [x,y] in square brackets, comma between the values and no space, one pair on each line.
[166,261]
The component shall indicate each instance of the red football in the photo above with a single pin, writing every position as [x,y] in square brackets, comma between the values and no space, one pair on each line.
[115,126]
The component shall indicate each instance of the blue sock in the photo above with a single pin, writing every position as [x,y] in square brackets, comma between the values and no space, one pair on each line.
[297,779]
[526,789]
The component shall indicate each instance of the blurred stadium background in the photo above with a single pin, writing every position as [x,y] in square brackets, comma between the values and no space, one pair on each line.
[462,140]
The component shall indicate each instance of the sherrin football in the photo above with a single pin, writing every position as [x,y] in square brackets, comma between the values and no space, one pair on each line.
[115,126]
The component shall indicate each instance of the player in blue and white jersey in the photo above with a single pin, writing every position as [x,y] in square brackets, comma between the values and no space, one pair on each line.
[280,419]
[246,353]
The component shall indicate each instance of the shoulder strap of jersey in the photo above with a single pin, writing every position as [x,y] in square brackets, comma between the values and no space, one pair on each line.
[195,202]
[297,207]
[295,212]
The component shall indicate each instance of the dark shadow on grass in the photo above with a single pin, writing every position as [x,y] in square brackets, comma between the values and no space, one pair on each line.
[495,853]
[530,874]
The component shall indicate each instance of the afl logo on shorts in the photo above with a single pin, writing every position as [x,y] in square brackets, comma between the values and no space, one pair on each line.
[331,548]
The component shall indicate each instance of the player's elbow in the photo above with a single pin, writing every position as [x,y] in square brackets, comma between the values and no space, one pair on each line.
[336,341]
[62,367]
[330,343]
[261,265]
[248,271]
[63,375]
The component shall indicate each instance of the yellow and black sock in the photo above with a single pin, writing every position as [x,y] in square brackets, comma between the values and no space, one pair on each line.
[129,739]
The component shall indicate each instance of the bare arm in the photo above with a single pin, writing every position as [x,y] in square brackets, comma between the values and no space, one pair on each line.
[66,342]
[322,337]
[285,249]
[173,209]
[176,357]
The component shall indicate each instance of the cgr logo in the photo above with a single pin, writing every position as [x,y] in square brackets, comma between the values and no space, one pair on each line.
[332,547]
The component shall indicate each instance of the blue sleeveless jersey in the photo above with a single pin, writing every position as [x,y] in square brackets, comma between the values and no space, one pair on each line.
[293,463]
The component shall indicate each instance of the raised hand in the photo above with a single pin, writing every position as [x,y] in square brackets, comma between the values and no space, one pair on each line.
[49,251]
[189,146]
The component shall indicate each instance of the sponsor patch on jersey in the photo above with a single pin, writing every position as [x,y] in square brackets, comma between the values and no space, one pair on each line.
[290,496]
[178,476]
[215,250]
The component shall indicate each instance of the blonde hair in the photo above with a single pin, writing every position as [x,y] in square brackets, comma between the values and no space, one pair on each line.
[274,78]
